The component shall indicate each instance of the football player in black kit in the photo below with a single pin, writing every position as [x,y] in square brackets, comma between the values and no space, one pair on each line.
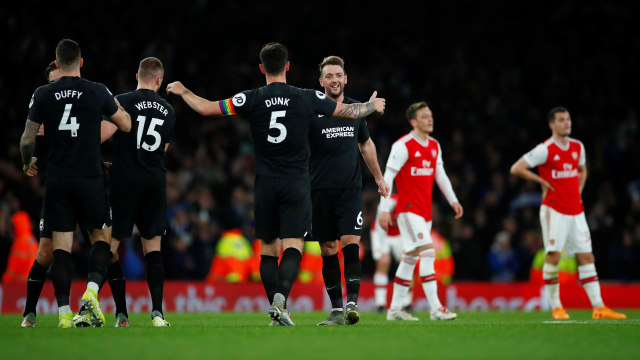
[336,192]
[71,110]
[138,193]
[280,117]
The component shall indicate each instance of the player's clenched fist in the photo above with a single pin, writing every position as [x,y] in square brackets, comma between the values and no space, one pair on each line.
[177,88]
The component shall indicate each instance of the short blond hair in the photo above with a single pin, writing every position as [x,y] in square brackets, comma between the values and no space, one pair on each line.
[150,68]
[331,60]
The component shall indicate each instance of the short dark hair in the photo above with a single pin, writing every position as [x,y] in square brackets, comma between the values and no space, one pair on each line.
[51,67]
[150,68]
[552,113]
[67,52]
[413,109]
[331,60]
[274,57]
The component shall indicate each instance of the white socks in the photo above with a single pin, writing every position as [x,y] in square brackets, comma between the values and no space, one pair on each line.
[401,284]
[380,281]
[93,286]
[64,309]
[428,278]
[589,279]
[550,276]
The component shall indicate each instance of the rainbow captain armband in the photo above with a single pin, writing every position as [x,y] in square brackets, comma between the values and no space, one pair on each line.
[226,107]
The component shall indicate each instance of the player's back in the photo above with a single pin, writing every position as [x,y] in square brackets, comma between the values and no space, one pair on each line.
[280,117]
[71,110]
[139,154]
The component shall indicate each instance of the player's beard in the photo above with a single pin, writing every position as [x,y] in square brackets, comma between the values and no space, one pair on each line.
[333,95]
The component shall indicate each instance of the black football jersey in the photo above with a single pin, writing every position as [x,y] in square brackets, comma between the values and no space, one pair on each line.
[71,110]
[138,156]
[335,155]
[280,117]
[42,153]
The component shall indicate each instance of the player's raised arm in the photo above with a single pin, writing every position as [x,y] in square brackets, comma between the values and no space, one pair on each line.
[200,105]
[121,118]
[28,145]
[360,110]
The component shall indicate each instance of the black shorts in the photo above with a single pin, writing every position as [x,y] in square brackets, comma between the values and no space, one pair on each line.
[336,212]
[75,200]
[282,207]
[45,228]
[144,206]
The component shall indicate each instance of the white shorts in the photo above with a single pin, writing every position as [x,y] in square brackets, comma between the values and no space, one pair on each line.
[414,230]
[564,232]
[381,244]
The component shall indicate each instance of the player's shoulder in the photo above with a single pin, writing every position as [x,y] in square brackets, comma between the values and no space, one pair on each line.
[547,143]
[576,142]
[434,140]
[348,100]
[98,87]
[404,139]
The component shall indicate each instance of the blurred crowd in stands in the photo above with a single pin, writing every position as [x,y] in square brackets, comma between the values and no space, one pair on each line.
[489,73]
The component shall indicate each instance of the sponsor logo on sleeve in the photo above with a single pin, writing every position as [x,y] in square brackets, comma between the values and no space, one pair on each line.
[320,95]
[239,99]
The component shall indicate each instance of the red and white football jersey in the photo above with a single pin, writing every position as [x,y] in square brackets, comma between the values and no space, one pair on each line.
[415,161]
[558,165]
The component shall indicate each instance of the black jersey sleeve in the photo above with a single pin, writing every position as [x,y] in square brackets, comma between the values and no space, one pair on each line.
[319,102]
[240,103]
[109,106]
[363,131]
[34,107]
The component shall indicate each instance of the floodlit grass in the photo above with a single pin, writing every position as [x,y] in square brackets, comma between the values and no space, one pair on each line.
[486,335]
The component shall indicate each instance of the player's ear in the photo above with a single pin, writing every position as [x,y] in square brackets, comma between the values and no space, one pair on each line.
[345,78]
[286,67]
[321,82]
[57,65]
[159,81]
[137,76]
[81,62]
[262,69]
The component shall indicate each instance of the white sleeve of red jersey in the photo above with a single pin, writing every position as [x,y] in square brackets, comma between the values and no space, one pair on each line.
[583,155]
[537,156]
[443,180]
[397,158]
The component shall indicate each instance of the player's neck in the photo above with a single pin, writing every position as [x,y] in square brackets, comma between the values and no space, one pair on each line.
[71,72]
[147,87]
[337,99]
[282,78]
[561,139]
[421,135]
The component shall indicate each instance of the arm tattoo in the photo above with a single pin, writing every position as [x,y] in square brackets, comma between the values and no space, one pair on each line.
[28,141]
[356,111]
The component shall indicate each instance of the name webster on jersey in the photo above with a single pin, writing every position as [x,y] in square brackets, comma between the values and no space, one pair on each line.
[340,131]
[151,105]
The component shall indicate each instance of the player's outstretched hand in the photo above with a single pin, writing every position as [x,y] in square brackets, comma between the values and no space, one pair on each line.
[383,188]
[384,219]
[457,208]
[378,103]
[177,88]
[31,169]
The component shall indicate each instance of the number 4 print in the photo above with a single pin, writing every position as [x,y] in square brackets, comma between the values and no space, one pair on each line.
[69,123]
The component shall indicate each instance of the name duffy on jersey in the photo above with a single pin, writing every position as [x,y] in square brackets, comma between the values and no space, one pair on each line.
[340,131]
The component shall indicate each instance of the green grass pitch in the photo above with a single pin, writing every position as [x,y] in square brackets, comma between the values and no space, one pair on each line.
[478,335]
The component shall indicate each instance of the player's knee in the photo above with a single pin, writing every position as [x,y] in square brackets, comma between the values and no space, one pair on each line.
[329,248]
[384,262]
[44,256]
[585,258]
[349,239]
[553,257]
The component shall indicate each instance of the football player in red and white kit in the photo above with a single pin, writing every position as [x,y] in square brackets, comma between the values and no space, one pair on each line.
[562,169]
[384,245]
[415,162]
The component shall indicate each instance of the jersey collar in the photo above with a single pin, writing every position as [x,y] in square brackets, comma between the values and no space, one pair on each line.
[420,141]
[559,144]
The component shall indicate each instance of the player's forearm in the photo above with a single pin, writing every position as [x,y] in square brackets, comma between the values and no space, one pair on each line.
[445,185]
[386,203]
[354,111]
[200,105]
[368,151]
[582,178]
[28,141]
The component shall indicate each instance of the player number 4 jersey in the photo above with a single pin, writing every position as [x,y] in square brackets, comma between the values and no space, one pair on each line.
[558,165]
